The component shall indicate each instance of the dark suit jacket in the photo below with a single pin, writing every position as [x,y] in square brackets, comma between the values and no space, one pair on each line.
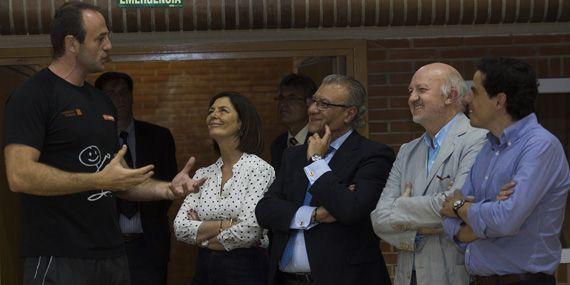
[344,252]
[278,146]
[155,145]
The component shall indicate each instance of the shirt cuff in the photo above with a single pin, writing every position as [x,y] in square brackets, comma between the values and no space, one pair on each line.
[315,170]
[475,221]
[302,218]
[451,227]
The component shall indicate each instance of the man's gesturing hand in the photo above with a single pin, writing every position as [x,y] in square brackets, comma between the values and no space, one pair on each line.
[183,184]
[116,176]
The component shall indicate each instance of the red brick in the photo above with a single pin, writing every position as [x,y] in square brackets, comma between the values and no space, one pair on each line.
[384,66]
[437,42]
[487,41]
[400,78]
[374,127]
[555,67]
[513,51]
[399,102]
[390,90]
[407,126]
[391,138]
[377,102]
[555,50]
[412,54]
[463,53]
[541,67]
[376,79]
[389,43]
[376,55]
[389,115]
[543,39]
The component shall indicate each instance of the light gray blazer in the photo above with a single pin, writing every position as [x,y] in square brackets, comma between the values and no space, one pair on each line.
[396,219]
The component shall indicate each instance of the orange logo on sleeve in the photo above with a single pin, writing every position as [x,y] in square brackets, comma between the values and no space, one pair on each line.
[72,113]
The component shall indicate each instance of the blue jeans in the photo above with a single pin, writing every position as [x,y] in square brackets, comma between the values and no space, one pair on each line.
[236,267]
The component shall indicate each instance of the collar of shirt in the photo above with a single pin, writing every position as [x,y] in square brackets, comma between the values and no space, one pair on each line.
[219,162]
[439,136]
[339,141]
[131,131]
[512,132]
[301,136]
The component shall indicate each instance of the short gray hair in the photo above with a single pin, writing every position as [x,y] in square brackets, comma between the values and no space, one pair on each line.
[356,95]
[454,81]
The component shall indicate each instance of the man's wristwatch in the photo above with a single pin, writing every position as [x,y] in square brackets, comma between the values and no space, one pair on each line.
[457,205]
[316,157]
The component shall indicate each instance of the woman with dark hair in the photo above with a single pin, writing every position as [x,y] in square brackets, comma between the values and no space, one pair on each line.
[220,218]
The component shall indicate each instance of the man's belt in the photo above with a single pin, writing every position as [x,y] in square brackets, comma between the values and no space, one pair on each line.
[513,279]
[302,277]
[132,237]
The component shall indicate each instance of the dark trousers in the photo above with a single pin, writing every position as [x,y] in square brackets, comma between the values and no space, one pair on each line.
[46,270]
[143,269]
[534,279]
[293,279]
[241,266]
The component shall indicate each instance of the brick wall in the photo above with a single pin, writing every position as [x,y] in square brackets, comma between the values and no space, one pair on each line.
[176,95]
[392,63]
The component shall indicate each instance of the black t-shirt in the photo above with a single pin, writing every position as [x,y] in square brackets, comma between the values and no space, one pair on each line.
[74,128]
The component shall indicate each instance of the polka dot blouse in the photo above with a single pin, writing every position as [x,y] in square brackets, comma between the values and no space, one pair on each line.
[251,178]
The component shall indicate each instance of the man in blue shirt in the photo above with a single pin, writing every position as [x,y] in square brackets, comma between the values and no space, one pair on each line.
[515,240]
[318,208]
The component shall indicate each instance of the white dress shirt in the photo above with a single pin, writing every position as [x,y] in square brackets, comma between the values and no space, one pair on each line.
[251,178]
[300,137]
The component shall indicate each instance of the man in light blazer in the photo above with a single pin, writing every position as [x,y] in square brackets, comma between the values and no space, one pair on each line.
[407,215]
[318,208]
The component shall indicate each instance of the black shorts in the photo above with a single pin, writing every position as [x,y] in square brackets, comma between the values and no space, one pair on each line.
[46,270]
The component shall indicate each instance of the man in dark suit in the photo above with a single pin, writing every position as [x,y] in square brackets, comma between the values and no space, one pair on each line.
[144,225]
[293,98]
[318,208]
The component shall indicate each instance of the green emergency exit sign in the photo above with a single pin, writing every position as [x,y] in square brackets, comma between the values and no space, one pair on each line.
[150,3]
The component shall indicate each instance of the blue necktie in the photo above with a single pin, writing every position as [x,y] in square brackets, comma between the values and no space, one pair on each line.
[288,252]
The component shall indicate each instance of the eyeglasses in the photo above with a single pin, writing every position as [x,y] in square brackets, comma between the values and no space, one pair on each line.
[281,98]
[323,105]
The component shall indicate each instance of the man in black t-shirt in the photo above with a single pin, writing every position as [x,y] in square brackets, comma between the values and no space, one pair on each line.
[60,144]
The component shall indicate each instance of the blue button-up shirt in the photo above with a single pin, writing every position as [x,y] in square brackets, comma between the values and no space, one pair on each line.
[435,145]
[302,219]
[521,233]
